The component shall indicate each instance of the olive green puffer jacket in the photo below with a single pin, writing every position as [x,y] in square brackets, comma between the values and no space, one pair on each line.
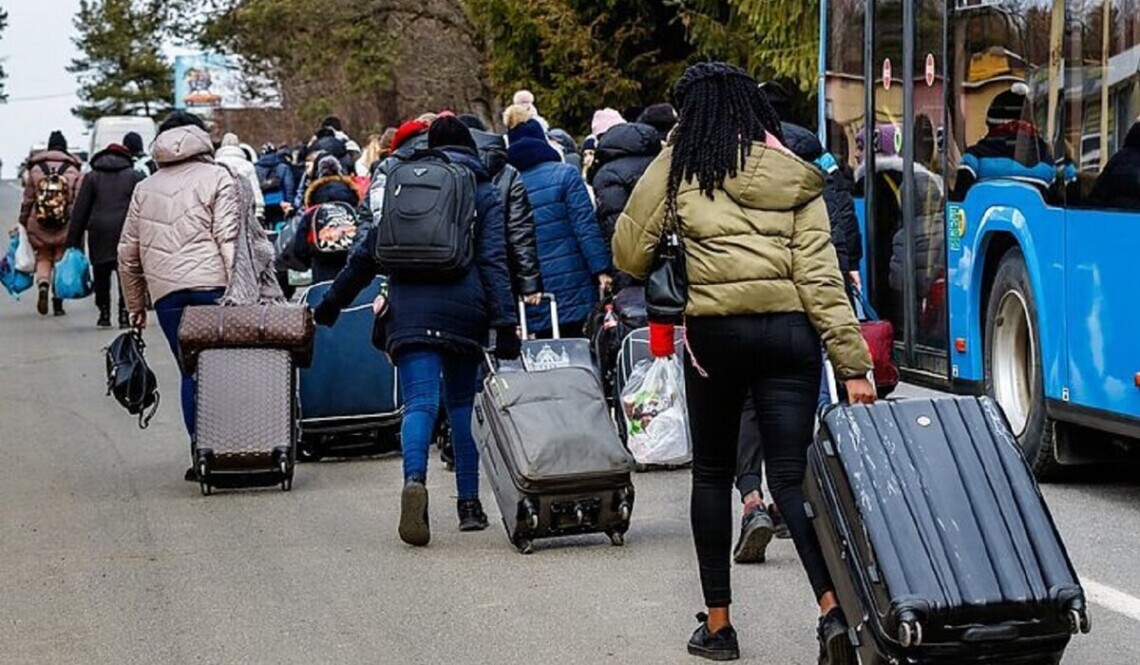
[761,245]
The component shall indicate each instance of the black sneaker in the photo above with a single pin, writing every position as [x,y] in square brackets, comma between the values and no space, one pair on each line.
[471,515]
[721,645]
[835,646]
[57,307]
[42,303]
[782,532]
[756,531]
[104,319]
[124,320]
[414,529]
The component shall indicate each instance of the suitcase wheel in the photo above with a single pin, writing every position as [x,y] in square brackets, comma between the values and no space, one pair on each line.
[524,546]
[203,474]
[286,474]
[624,512]
[1079,622]
[910,633]
[616,539]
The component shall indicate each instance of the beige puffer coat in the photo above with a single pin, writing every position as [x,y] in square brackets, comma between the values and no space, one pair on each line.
[760,245]
[183,222]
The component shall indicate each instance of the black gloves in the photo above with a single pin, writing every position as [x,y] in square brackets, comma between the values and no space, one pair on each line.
[326,314]
[507,344]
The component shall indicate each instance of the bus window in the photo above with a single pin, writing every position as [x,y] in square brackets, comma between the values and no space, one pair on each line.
[1102,96]
[1002,87]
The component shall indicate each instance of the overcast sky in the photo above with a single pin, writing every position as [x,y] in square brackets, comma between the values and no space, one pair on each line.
[36,48]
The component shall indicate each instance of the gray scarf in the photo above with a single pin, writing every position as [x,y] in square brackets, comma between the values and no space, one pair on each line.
[253,280]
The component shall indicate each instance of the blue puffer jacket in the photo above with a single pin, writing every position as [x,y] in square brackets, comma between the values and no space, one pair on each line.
[571,250]
[456,315]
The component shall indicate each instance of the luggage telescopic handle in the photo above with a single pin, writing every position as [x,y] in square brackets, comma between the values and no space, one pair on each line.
[548,297]
[833,384]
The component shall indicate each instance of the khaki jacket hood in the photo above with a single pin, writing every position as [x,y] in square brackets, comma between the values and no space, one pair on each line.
[182,144]
[772,179]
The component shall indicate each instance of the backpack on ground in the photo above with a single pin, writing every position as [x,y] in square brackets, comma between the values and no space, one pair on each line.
[53,197]
[333,228]
[427,228]
[129,379]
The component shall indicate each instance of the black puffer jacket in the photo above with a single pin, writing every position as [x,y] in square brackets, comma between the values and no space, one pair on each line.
[522,245]
[623,154]
[102,203]
[1119,183]
[836,194]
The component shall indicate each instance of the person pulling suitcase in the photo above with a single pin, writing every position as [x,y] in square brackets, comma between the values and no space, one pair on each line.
[440,238]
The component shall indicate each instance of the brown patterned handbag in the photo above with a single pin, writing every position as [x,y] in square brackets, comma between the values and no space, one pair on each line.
[267,326]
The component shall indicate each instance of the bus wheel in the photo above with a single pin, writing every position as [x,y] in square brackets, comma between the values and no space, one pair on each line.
[1013,364]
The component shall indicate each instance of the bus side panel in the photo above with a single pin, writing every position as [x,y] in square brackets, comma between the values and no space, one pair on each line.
[1104,305]
[1019,211]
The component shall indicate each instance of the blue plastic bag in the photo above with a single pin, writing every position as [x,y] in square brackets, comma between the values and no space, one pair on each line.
[73,276]
[14,281]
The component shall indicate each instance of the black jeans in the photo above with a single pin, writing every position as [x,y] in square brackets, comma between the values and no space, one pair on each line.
[104,274]
[776,356]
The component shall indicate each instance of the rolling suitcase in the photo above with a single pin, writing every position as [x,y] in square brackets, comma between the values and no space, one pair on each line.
[350,401]
[552,456]
[246,418]
[940,545]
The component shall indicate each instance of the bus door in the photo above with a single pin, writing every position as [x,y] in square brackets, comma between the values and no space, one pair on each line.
[1102,217]
[904,222]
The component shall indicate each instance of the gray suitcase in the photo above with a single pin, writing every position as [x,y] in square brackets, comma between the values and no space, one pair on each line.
[246,418]
[539,355]
[552,456]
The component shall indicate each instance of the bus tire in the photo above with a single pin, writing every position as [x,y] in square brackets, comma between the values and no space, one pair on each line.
[1014,376]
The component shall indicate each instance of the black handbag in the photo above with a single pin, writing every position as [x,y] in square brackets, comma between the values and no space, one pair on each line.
[667,287]
[129,380]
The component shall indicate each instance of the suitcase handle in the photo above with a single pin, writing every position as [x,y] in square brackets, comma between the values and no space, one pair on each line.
[548,297]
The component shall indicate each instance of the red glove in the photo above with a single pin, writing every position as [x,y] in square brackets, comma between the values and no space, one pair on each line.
[662,342]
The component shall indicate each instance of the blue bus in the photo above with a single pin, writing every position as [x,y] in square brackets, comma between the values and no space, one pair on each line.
[993,149]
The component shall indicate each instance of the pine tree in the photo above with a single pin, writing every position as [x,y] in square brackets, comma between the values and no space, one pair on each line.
[3,74]
[123,70]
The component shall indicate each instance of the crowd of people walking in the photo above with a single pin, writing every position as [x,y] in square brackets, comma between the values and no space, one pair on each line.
[770,242]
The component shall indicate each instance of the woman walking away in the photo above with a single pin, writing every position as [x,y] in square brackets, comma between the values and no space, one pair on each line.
[51,184]
[100,210]
[179,241]
[573,258]
[764,287]
[437,325]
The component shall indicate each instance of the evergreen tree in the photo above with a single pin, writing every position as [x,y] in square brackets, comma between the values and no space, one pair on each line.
[123,70]
[3,74]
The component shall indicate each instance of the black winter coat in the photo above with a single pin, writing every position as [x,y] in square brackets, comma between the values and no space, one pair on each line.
[452,316]
[101,205]
[1119,183]
[521,241]
[623,154]
[845,234]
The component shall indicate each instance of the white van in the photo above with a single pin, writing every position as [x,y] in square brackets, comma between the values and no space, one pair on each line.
[112,129]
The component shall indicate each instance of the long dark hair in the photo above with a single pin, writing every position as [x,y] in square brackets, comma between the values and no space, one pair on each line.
[721,112]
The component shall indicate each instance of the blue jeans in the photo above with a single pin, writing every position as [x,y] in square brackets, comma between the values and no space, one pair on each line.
[419,382]
[169,311]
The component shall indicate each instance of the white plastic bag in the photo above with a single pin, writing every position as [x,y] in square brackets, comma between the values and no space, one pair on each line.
[657,420]
[25,255]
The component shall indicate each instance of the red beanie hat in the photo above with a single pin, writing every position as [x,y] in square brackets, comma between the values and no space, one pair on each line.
[408,130]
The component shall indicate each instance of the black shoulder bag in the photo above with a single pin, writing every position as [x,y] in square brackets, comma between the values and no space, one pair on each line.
[667,287]
[130,380]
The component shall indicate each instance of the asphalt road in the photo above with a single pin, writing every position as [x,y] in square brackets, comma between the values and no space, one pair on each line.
[108,556]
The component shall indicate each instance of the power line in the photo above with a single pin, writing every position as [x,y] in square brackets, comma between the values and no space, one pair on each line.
[40,98]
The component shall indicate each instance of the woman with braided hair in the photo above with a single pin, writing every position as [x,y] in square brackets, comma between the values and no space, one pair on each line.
[764,288]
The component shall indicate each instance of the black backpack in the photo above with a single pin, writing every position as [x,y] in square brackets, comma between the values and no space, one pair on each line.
[269,180]
[427,225]
[130,380]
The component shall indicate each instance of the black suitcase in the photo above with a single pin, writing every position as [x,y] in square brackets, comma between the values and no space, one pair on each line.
[551,455]
[938,540]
